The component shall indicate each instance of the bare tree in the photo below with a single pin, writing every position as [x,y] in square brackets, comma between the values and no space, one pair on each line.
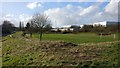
[40,21]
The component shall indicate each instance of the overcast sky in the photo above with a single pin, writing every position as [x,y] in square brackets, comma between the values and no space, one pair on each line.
[61,13]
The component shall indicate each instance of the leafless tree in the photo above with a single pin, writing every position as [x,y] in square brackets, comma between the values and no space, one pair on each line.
[40,21]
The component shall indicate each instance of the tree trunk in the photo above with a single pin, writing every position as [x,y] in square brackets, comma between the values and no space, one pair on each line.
[30,30]
[41,34]
[31,35]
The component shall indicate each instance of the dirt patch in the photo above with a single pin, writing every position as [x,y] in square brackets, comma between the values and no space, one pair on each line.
[56,44]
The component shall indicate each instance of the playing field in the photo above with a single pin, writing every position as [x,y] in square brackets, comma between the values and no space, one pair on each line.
[79,38]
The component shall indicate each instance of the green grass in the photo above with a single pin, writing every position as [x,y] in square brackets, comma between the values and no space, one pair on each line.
[78,38]
[21,51]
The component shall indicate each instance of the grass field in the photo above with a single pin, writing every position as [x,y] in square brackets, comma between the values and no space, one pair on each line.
[26,51]
[79,38]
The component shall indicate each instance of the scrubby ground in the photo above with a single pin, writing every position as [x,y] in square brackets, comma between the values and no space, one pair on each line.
[22,51]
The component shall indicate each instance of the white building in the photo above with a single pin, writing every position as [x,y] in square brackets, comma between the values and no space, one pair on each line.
[104,23]
[54,29]
[63,29]
[81,26]
[67,26]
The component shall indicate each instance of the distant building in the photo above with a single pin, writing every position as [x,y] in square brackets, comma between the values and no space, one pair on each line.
[63,29]
[105,23]
[73,28]
[81,26]
[54,29]
[112,23]
[68,28]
